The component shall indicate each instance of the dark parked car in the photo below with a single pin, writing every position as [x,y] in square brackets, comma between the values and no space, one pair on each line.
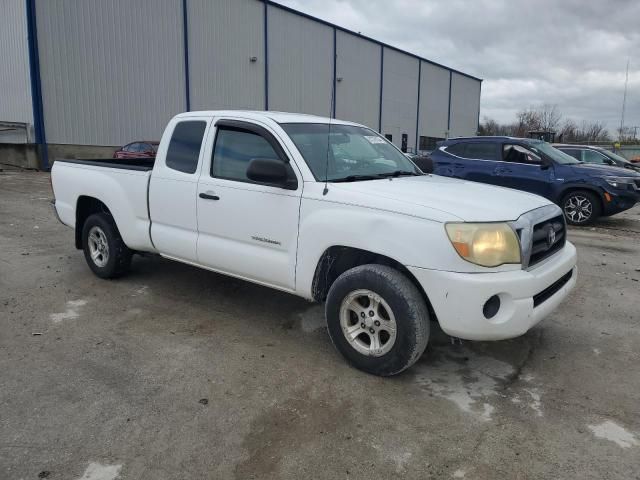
[583,191]
[597,155]
[141,149]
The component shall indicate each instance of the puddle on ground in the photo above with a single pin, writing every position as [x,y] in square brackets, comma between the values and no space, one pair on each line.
[471,381]
[615,433]
[464,377]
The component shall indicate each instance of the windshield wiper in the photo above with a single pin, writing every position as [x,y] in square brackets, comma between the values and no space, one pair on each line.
[377,176]
[355,178]
[398,173]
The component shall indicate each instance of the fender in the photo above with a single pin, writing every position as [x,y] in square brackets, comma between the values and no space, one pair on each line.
[408,240]
[564,188]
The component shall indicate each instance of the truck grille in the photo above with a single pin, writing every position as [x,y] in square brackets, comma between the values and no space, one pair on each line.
[548,237]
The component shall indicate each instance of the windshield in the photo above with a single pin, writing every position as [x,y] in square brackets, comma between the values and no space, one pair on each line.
[555,154]
[615,156]
[350,153]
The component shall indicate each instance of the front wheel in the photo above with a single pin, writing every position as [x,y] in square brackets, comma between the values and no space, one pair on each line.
[581,207]
[104,250]
[377,319]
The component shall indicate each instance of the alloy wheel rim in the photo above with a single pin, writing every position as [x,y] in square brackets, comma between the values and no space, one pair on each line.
[368,323]
[578,208]
[98,246]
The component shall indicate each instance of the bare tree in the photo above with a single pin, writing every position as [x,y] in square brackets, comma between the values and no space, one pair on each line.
[547,117]
[488,127]
[568,131]
[594,131]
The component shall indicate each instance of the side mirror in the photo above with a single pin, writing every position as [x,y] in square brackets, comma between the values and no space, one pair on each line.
[545,163]
[424,163]
[267,170]
[608,161]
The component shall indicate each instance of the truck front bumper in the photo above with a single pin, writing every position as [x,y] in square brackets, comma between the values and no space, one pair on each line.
[525,297]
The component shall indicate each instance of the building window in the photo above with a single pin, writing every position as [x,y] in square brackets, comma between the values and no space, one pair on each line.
[388,136]
[428,143]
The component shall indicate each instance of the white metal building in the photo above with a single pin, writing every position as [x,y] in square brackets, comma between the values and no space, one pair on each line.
[103,73]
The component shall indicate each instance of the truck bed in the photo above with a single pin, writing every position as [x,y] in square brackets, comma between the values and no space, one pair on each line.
[120,184]
[139,164]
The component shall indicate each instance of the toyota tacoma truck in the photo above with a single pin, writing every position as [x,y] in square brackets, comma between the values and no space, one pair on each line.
[330,211]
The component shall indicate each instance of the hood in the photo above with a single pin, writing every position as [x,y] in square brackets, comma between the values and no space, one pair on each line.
[603,170]
[440,198]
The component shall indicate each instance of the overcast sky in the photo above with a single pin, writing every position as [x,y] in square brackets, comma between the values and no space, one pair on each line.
[572,53]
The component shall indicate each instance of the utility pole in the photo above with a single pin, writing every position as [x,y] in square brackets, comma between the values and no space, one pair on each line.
[624,102]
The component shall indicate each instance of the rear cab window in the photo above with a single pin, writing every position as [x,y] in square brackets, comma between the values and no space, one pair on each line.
[185,144]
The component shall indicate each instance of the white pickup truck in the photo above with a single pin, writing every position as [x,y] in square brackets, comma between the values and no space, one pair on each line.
[330,211]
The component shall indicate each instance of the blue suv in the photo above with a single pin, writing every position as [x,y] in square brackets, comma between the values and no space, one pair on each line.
[583,191]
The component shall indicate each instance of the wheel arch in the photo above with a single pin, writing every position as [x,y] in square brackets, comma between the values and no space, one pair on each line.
[86,206]
[337,259]
[576,188]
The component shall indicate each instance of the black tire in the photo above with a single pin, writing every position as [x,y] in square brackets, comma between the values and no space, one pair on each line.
[118,256]
[408,307]
[581,207]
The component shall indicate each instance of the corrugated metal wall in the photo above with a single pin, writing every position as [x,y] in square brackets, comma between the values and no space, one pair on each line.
[399,96]
[465,96]
[300,63]
[111,71]
[114,71]
[358,79]
[223,37]
[434,101]
[15,89]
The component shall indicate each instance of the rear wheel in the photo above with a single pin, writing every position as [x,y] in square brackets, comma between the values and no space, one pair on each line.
[104,250]
[581,207]
[377,319]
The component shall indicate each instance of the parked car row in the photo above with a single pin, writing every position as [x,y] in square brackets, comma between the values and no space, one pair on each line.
[333,212]
[597,155]
[583,181]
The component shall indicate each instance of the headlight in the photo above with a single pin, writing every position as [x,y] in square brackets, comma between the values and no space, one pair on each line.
[619,182]
[485,244]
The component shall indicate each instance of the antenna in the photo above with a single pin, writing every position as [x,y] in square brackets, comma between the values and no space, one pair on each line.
[331,114]
[624,102]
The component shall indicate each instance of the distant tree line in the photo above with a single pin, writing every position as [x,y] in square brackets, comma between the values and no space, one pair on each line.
[547,118]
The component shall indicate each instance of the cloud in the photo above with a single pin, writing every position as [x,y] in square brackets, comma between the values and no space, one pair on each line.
[571,53]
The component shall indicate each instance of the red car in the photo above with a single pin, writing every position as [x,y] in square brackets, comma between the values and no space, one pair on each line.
[140,149]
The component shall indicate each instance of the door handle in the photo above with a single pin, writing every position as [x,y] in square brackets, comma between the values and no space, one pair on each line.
[207,196]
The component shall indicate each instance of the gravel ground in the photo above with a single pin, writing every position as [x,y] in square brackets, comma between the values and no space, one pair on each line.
[178,373]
